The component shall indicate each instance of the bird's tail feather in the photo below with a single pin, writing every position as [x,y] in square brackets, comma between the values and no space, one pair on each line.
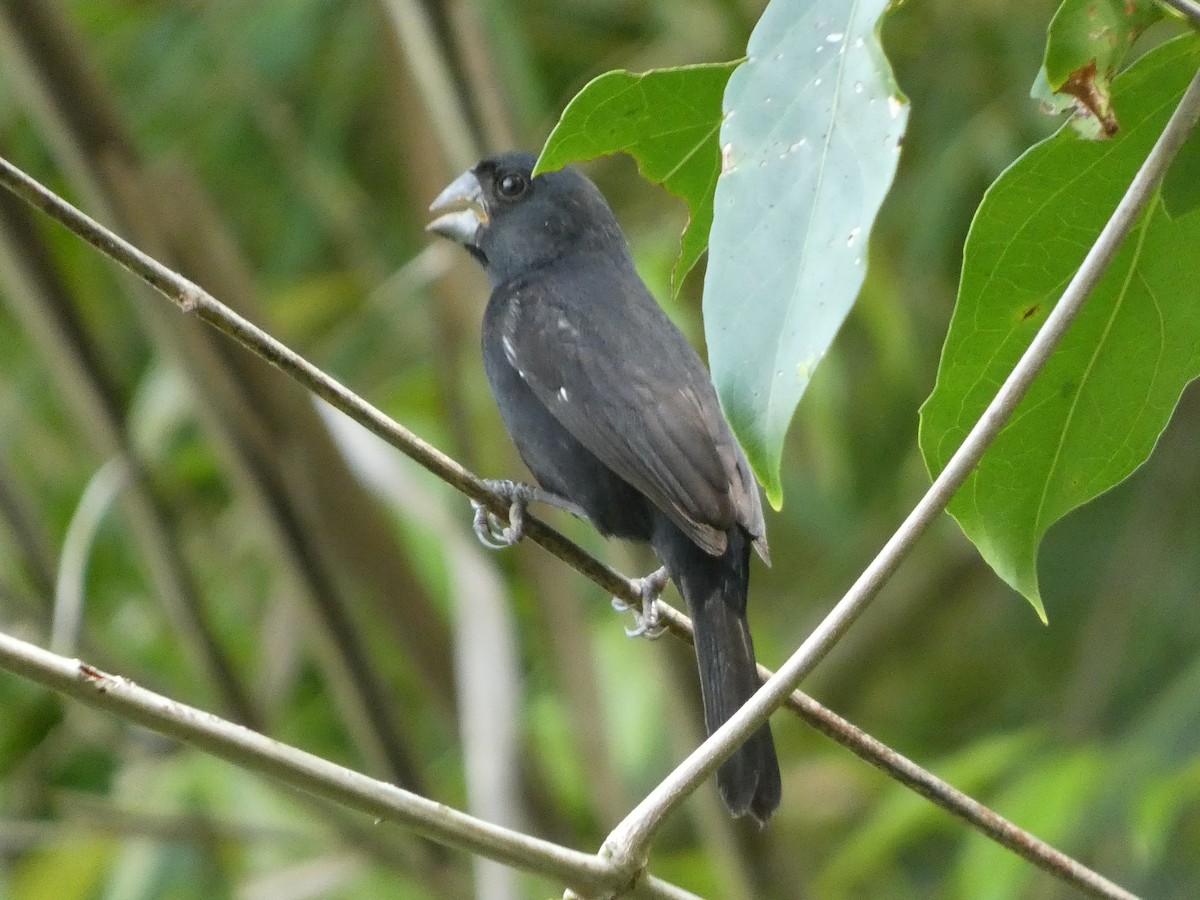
[715,591]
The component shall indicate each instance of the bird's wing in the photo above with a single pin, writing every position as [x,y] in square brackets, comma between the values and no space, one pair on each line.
[609,365]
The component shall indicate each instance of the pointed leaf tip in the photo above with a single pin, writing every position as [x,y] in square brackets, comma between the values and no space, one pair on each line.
[809,147]
[1096,411]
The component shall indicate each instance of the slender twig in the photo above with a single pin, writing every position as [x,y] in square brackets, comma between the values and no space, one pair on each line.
[257,753]
[37,299]
[192,298]
[632,836]
[951,800]
[966,808]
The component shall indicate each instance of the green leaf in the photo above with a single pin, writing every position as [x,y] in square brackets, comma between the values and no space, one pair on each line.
[1181,187]
[1085,44]
[667,120]
[810,142]
[1096,411]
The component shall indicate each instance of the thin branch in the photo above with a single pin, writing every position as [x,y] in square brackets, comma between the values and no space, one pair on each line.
[38,300]
[942,794]
[266,429]
[954,801]
[632,836]
[255,752]
[192,298]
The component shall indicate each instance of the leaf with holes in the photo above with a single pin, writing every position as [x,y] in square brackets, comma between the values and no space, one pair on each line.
[667,120]
[1097,409]
[811,138]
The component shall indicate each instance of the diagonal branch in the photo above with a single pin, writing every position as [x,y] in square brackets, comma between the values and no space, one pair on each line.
[631,837]
[191,298]
[265,429]
[39,302]
[314,775]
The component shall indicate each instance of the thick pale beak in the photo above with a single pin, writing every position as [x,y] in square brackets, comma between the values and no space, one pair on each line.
[462,210]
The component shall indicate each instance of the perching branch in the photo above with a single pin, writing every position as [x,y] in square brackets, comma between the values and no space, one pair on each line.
[631,838]
[191,298]
[257,753]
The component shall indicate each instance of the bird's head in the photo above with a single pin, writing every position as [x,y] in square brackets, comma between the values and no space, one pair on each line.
[512,222]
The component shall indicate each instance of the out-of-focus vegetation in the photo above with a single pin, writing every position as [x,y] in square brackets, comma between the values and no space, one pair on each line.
[282,154]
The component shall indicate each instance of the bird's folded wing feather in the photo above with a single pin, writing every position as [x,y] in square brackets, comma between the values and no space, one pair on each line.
[645,409]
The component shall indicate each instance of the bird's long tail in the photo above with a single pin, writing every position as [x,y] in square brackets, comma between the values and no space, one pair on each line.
[715,590]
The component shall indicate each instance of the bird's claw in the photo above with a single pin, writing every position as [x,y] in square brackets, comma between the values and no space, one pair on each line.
[647,621]
[490,528]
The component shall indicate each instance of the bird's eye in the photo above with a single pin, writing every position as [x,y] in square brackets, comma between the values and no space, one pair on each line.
[512,185]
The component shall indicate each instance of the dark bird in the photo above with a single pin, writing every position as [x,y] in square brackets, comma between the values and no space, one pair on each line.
[616,417]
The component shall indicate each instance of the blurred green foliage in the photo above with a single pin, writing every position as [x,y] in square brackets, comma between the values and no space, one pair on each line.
[308,135]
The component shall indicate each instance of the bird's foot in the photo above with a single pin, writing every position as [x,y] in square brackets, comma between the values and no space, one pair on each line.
[491,530]
[647,621]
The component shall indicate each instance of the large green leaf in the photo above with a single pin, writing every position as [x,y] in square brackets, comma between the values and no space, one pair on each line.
[811,137]
[1085,44]
[667,120]
[1096,411]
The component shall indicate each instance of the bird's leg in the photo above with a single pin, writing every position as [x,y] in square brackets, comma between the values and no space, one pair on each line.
[647,622]
[493,533]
